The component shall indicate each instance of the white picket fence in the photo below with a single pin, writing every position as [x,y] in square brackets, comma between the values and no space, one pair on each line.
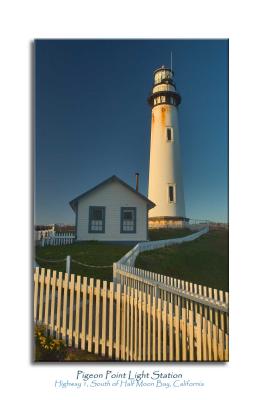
[197,227]
[198,298]
[130,257]
[38,235]
[139,316]
[124,323]
[58,239]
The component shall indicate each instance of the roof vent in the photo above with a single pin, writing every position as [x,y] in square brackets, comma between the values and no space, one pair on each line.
[137,181]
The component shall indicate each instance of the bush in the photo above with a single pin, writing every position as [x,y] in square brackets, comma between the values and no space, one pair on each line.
[48,348]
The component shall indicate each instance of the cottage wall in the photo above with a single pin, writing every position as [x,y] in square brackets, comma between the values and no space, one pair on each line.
[112,196]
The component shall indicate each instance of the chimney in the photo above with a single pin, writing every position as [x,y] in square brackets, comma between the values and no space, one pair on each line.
[137,181]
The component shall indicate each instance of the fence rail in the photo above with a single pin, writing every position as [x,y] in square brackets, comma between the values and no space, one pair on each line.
[212,303]
[58,239]
[124,323]
[130,257]
[168,286]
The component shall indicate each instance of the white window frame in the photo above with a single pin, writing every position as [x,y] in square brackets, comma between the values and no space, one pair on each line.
[92,221]
[133,221]
[174,193]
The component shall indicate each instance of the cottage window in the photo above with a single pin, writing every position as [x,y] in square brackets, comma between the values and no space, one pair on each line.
[128,220]
[96,219]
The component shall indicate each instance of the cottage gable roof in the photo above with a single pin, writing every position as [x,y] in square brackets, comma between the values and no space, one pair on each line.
[113,178]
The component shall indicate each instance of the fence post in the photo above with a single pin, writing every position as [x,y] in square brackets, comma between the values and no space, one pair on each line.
[68,264]
[157,291]
[114,273]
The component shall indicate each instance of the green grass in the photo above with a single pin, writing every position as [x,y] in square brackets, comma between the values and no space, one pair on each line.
[94,253]
[164,234]
[203,261]
[91,253]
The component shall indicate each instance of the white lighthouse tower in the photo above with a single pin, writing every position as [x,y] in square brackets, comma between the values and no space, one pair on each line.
[165,175]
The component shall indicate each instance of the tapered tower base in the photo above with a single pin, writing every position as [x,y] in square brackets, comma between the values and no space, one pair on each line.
[167,222]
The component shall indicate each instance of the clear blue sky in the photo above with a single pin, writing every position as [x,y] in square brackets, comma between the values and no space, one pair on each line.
[93,120]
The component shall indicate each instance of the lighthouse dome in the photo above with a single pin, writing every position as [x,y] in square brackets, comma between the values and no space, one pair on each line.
[163,74]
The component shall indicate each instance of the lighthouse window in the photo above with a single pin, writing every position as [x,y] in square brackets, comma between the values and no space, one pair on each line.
[171,194]
[96,219]
[169,134]
[128,220]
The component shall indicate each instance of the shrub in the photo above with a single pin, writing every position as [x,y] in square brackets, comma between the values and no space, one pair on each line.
[48,348]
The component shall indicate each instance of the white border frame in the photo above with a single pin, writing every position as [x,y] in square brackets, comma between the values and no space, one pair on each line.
[242,23]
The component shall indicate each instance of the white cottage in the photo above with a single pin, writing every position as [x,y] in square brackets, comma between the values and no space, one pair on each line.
[112,211]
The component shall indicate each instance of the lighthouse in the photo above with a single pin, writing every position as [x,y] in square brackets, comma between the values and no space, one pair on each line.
[165,173]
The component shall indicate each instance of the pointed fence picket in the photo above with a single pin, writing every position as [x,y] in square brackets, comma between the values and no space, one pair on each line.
[124,323]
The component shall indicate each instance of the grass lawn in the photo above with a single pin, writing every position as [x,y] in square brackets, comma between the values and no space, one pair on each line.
[95,253]
[203,261]
[91,253]
[164,234]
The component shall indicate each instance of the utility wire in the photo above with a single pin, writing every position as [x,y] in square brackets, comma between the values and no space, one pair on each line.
[90,266]
[43,259]
[73,261]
